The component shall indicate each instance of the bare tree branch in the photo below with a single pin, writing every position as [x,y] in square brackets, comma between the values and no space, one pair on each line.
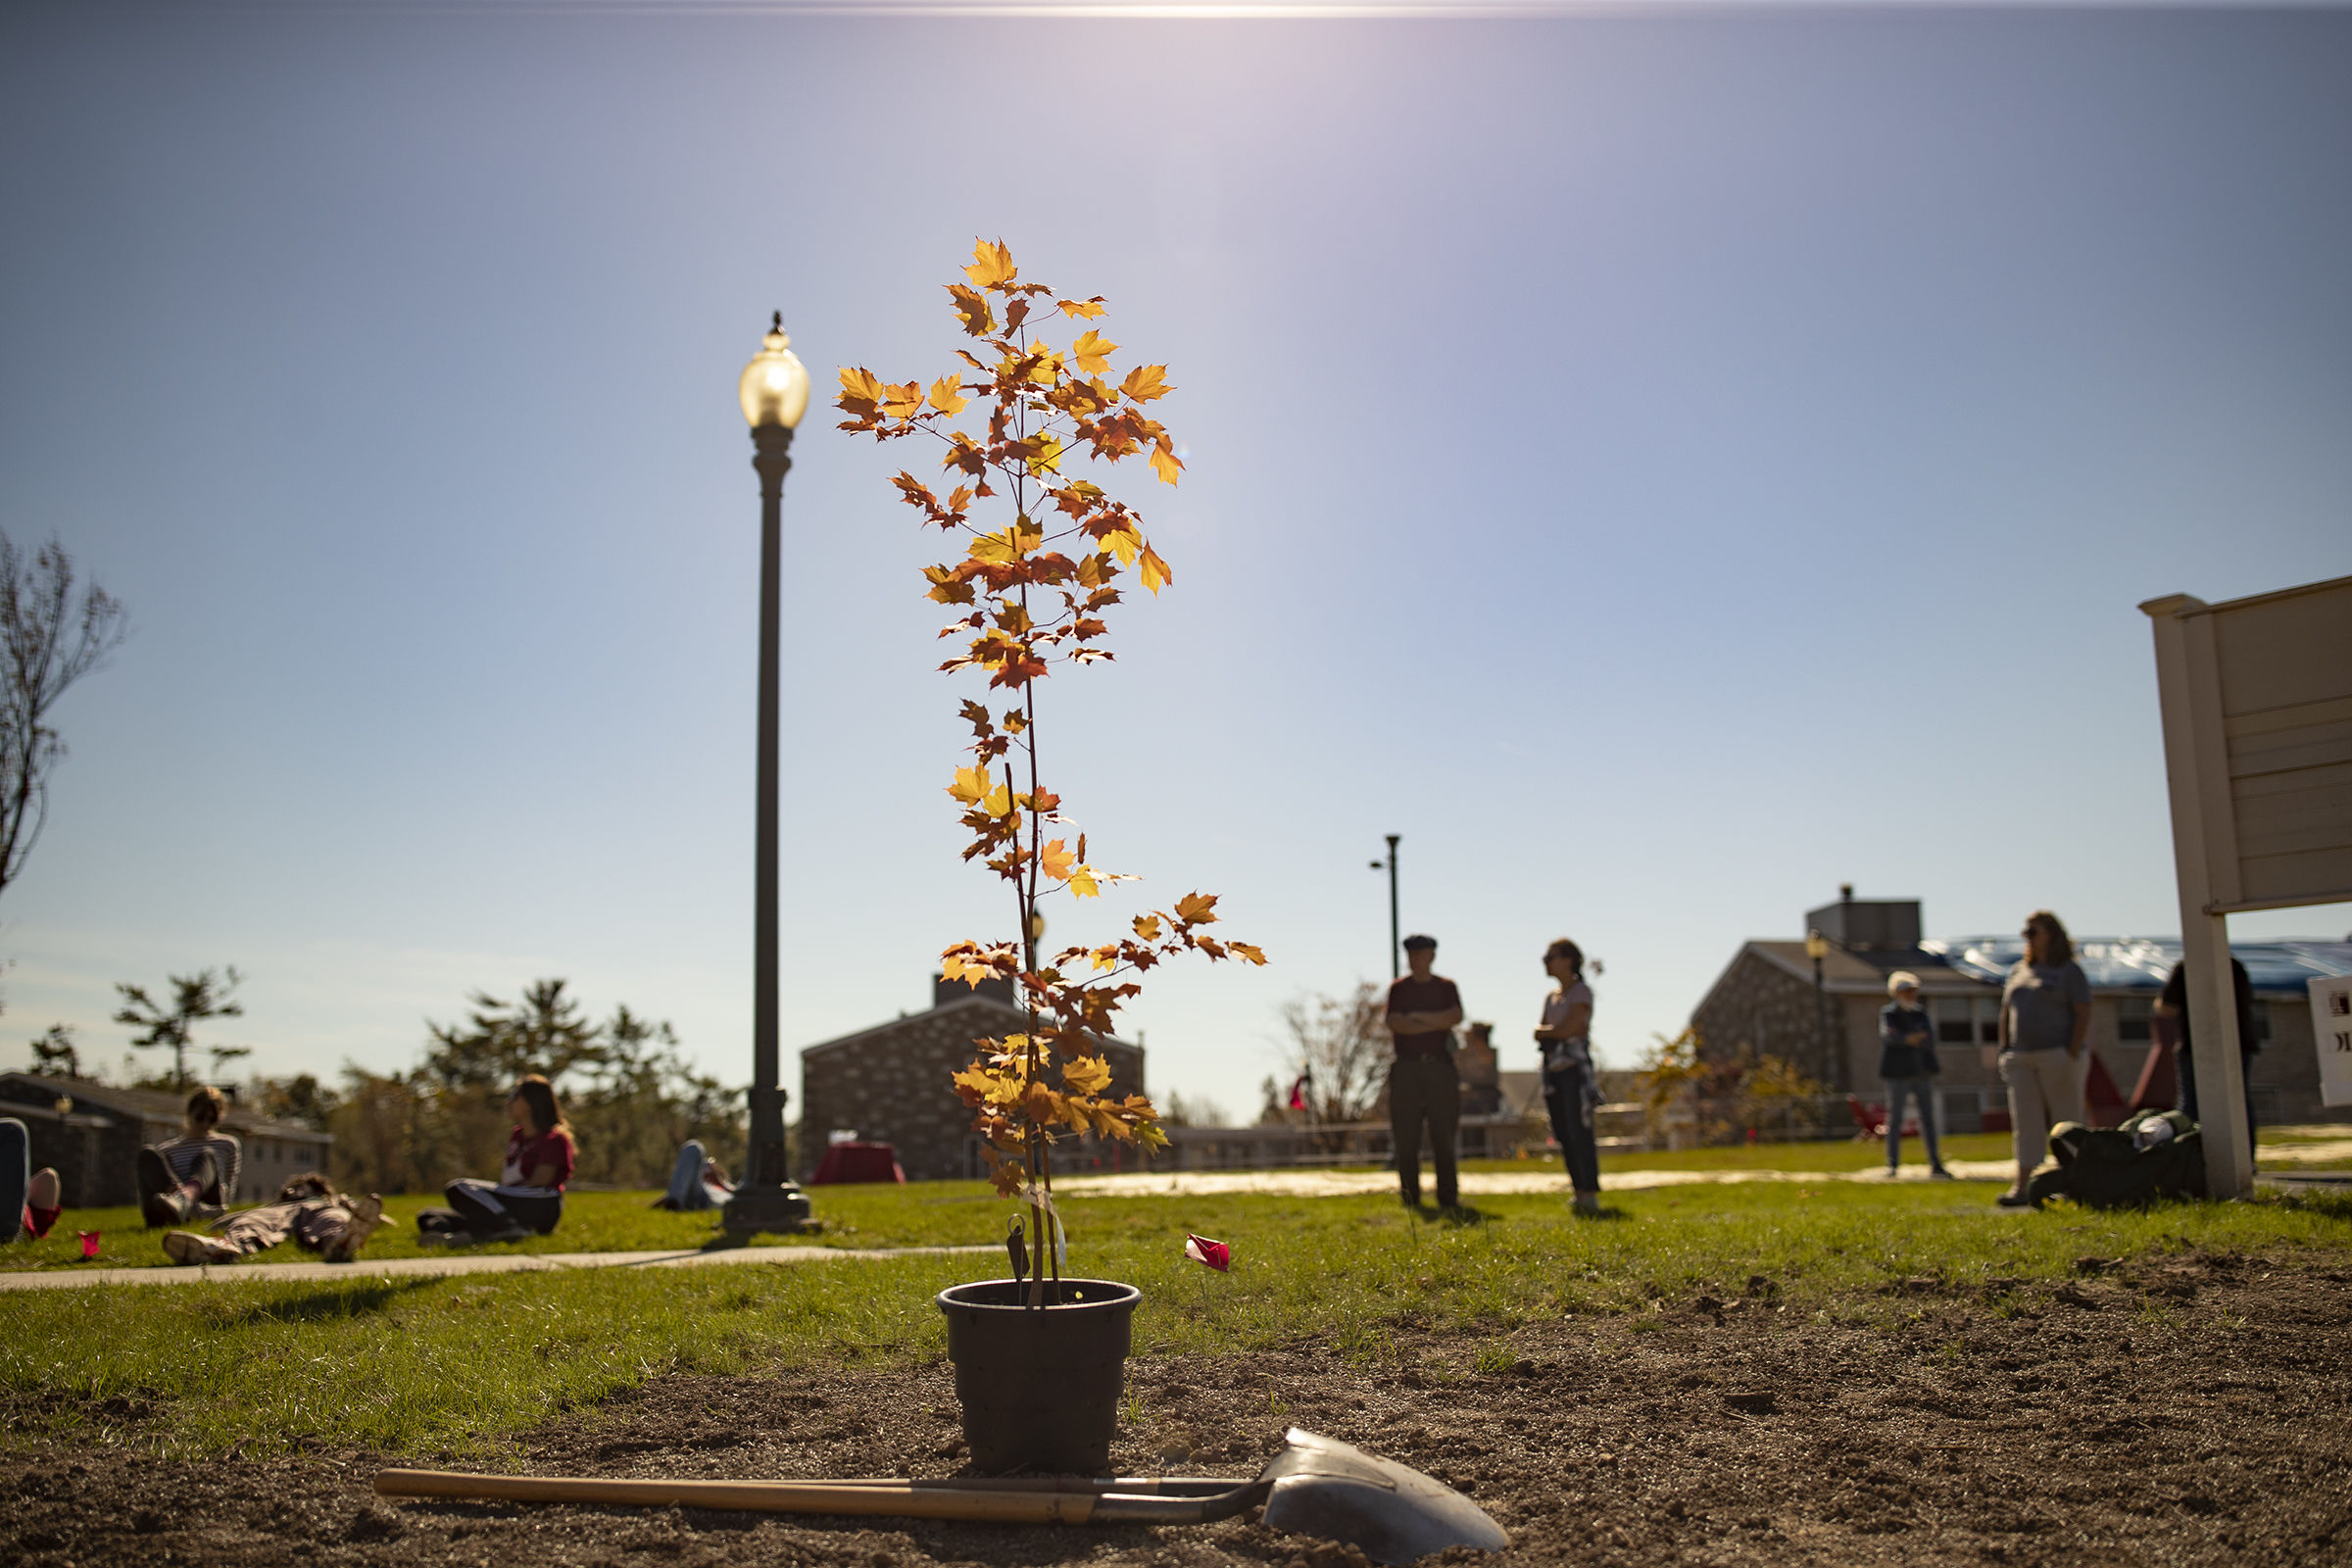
[48,641]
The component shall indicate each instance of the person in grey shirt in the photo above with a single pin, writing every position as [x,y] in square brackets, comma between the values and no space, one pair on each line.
[2045,1016]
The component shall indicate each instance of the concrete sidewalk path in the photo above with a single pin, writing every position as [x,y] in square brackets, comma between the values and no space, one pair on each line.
[1486,1183]
[460,1262]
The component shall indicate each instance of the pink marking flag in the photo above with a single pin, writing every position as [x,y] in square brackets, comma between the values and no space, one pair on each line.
[1216,1254]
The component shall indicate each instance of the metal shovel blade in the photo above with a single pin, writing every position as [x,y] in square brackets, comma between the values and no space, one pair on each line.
[1325,1488]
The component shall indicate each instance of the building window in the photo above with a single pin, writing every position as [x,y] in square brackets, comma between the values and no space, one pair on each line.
[2262,1023]
[2133,1018]
[1955,1019]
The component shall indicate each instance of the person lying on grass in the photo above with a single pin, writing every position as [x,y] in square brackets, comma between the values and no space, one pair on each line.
[28,1200]
[308,1208]
[527,1199]
[696,1181]
[194,1175]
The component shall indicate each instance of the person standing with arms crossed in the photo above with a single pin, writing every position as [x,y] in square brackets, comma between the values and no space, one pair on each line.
[2045,1016]
[1424,1089]
[1570,1087]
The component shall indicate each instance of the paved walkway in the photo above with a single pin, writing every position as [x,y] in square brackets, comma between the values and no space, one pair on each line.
[1482,1184]
[70,1277]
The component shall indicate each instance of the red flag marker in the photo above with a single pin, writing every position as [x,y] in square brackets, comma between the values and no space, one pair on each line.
[1216,1254]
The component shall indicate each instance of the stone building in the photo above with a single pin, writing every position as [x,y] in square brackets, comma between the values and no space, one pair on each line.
[891,1084]
[92,1134]
[1765,1000]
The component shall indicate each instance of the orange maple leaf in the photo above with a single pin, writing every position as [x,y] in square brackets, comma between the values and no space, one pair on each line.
[1083,309]
[978,320]
[946,396]
[1093,352]
[1197,909]
[992,264]
[1165,463]
[1154,570]
[1145,382]
[1056,861]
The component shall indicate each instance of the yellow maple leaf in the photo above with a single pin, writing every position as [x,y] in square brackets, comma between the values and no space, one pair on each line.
[903,402]
[1154,570]
[1147,926]
[1165,463]
[1245,950]
[1124,544]
[1093,352]
[1145,382]
[1044,456]
[1006,543]
[947,397]
[1086,1075]
[1082,882]
[971,786]
[999,802]
[1083,309]
[1194,908]
[990,265]
[1056,861]
[861,383]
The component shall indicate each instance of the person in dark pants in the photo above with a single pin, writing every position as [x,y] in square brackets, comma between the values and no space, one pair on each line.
[2174,1004]
[1908,1066]
[1424,1089]
[1570,1087]
[527,1199]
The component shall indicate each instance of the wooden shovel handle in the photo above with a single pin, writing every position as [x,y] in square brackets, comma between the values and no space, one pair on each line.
[893,1499]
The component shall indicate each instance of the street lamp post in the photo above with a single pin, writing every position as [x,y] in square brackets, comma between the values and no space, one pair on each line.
[1395,950]
[1816,948]
[774,391]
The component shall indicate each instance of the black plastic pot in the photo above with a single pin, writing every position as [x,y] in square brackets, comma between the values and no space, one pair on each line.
[1040,1386]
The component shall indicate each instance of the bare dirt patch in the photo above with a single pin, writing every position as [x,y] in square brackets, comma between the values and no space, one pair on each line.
[2190,1410]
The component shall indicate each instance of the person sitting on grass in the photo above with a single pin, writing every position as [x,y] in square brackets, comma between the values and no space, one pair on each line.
[308,1208]
[527,1199]
[696,1181]
[194,1175]
[28,1200]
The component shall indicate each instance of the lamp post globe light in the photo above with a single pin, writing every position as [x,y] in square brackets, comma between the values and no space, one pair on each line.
[774,392]
[1816,948]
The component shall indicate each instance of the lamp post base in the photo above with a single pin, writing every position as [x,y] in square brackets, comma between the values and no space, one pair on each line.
[779,1210]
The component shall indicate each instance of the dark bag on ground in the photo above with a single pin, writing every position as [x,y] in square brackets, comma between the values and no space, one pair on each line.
[2117,1167]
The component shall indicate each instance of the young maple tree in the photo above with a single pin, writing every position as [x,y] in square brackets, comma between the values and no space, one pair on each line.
[1033,593]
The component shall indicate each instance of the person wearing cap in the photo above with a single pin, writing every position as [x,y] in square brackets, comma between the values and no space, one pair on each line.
[1424,1089]
[1907,1062]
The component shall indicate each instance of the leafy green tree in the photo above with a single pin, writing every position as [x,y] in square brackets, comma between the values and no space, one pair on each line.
[53,1051]
[196,999]
[543,1032]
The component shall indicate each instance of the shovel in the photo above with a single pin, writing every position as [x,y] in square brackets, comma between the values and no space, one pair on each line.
[1316,1487]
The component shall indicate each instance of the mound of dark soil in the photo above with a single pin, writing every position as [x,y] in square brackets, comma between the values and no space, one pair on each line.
[2187,1411]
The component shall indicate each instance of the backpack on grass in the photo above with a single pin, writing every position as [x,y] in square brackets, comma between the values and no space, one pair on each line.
[2153,1155]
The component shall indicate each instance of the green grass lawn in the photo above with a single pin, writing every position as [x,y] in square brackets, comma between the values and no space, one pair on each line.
[924,1214]
[462,1363]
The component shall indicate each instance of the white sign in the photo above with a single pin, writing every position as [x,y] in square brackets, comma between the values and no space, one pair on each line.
[2331,1032]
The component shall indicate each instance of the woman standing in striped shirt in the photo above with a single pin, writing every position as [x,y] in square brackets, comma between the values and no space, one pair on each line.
[194,1175]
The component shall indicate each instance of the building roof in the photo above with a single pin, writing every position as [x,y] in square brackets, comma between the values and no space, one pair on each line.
[1966,964]
[154,1104]
[2141,963]
[1001,1016]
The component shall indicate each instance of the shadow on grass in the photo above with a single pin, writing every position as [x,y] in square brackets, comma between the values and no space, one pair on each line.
[329,1303]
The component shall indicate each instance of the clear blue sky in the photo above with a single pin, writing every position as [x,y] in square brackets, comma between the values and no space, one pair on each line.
[1662,465]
